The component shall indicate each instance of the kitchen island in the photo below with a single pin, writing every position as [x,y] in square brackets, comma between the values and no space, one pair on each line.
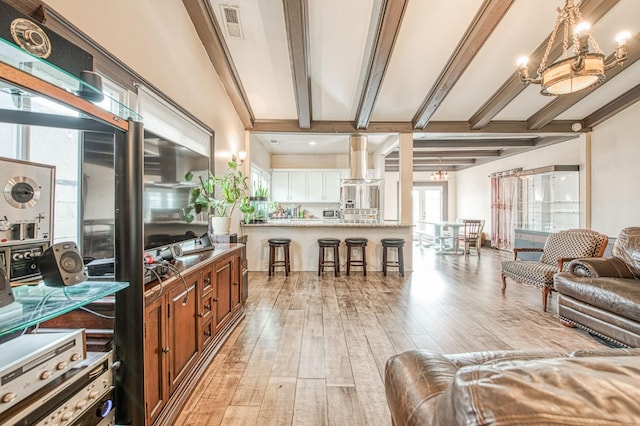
[304,236]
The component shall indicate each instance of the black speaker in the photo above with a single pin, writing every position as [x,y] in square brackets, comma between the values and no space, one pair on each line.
[6,294]
[61,264]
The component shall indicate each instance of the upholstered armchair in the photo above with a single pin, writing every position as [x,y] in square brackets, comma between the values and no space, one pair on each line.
[559,249]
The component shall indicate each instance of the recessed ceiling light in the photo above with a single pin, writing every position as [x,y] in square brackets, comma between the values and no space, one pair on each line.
[312,142]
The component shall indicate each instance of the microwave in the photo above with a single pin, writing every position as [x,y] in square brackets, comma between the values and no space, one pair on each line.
[331,214]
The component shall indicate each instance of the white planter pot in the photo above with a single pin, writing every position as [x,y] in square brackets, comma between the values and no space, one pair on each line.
[219,225]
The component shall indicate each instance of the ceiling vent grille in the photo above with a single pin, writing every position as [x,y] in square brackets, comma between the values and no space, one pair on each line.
[231,17]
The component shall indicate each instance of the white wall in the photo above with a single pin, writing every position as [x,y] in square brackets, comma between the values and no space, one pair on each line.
[157,39]
[616,175]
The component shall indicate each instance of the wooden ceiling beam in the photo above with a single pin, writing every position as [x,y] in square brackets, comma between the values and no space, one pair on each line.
[612,108]
[297,22]
[473,143]
[206,25]
[593,10]
[347,127]
[436,162]
[489,15]
[417,153]
[391,13]
[564,102]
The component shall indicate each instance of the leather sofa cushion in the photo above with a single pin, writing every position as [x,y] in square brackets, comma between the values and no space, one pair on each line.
[619,295]
[555,391]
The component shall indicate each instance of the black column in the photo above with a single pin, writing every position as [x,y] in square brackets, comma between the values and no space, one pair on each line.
[129,323]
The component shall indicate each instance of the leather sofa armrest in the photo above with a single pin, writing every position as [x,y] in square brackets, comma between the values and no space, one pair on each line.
[595,267]
[413,380]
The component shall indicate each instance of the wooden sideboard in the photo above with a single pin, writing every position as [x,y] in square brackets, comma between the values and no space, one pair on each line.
[186,321]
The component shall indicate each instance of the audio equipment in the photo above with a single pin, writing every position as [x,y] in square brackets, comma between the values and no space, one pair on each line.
[61,264]
[82,396]
[21,261]
[26,202]
[31,361]
[40,41]
[6,294]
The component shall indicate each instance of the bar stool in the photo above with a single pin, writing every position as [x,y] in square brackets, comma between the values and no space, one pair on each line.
[387,243]
[273,263]
[352,244]
[328,243]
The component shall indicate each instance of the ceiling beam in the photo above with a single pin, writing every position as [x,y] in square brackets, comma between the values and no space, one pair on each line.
[436,162]
[564,102]
[296,17]
[206,25]
[348,127]
[391,13]
[592,10]
[483,24]
[612,108]
[473,143]
[450,154]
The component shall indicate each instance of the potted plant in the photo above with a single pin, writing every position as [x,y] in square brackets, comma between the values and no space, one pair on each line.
[259,200]
[232,184]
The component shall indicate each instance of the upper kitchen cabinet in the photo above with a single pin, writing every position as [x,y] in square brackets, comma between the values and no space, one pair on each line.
[294,186]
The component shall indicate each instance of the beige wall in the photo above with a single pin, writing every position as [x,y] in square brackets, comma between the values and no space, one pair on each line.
[157,39]
[616,175]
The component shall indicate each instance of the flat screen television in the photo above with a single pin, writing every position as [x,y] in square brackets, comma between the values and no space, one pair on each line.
[165,193]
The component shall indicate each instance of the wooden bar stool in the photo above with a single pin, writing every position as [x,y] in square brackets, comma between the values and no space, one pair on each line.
[274,243]
[387,243]
[354,244]
[331,243]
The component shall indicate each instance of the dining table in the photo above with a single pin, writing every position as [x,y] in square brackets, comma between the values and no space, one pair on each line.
[445,233]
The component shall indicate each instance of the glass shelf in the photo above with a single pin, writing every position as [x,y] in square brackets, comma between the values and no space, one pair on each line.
[36,304]
[12,55]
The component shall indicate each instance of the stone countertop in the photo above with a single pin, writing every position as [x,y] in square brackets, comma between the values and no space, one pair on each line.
[323,223]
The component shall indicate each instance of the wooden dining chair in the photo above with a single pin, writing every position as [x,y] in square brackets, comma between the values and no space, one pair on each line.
[471,236]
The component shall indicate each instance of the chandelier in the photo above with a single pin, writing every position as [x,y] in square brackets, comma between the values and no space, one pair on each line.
[580,71]
[439,174]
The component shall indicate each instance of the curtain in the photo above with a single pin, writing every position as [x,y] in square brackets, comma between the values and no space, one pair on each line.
[503,191]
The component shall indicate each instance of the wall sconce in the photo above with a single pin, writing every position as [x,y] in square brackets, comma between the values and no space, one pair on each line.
[239,157]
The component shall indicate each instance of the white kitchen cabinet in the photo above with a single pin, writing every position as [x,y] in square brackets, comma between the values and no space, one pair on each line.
[280,186]
[305,186]
[315,182]
[331,186]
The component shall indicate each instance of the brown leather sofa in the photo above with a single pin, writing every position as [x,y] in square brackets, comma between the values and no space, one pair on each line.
[595,387]
[602,295]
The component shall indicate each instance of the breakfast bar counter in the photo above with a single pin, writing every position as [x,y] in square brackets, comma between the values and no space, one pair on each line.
[304,236]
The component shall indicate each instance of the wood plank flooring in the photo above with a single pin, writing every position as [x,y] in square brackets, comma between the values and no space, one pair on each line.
[312,350]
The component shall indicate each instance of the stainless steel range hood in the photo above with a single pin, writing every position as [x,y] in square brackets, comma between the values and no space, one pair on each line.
[358,158]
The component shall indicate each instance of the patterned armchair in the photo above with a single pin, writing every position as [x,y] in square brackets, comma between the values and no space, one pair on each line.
[559,249]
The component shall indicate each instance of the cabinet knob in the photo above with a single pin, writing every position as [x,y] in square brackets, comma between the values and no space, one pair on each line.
[207,280]
[207,307]
[207,333]
[215,300]
[235,283]
[165,350]
[200,315]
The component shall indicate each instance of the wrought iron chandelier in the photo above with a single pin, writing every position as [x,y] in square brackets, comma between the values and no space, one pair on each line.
[440,174]
[578,72]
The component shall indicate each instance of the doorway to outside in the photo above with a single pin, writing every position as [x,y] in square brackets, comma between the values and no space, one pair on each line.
[429,205]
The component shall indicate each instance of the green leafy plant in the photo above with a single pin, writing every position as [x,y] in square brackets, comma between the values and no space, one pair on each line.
[232,184]
[261,191]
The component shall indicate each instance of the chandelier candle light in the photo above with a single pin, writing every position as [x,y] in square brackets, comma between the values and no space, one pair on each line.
[439,174]
[578,72]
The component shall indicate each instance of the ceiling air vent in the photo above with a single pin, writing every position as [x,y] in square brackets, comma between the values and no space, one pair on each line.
[231,17]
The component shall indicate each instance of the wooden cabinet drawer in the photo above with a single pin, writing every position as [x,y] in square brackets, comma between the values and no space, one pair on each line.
[207,333]
[206,306]
[207,281]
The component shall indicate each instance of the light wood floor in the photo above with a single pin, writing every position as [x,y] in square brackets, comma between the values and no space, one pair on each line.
[312,350]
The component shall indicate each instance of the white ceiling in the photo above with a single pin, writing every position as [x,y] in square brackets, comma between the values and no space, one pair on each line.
[341,37]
